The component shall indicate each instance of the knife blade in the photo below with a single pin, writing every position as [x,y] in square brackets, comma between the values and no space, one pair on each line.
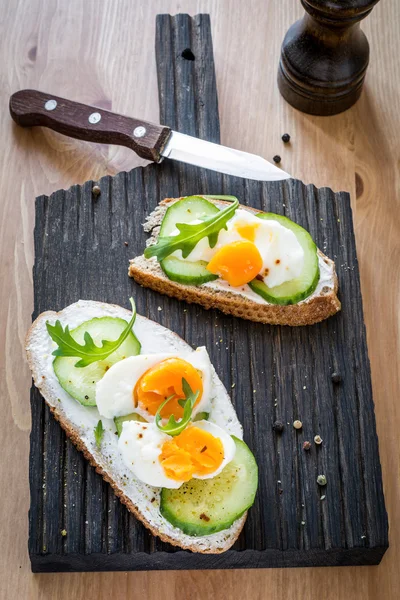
[194,151]
[151,141]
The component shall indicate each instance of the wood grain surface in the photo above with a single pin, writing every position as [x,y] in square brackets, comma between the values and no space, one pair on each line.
[103,53]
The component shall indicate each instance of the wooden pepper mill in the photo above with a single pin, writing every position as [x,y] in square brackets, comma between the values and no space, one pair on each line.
[324,56]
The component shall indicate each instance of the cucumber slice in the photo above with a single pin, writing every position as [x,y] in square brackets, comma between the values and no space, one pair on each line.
[201,416]
[132,417]
[303,286]
[188,273]
[186,210]
[80,383]
[204,506]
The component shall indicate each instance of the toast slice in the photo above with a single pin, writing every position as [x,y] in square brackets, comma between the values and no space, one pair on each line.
[322,304]
[79,421]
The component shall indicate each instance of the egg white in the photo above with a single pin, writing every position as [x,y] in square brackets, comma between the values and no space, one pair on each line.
[114,391]
[140,445]
[273,241]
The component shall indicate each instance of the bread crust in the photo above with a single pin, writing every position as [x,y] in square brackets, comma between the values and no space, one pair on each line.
[310,311]
[41,383]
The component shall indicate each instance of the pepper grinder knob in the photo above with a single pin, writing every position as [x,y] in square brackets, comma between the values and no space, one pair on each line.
[324,56]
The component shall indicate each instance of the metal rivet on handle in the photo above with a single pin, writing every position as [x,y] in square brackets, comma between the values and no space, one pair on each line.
[50,104]
[94,118]
[139,131]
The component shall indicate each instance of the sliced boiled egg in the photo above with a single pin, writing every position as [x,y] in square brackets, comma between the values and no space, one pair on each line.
[141,383]
[201,451]
[238,262]
[205,470]
[251,247]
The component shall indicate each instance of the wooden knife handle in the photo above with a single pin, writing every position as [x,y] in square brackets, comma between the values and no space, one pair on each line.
[29,108]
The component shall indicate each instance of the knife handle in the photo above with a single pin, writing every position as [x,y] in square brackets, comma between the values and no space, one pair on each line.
[29,108]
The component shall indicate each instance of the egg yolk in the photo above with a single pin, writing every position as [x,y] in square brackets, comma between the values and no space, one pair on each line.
[164,380]
[237,263]
[247,231]
[192,452]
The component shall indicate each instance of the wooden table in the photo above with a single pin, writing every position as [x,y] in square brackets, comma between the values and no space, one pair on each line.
[102,53]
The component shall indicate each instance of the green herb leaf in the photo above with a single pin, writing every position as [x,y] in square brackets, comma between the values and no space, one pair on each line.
[98,433]
[88,352]
[173,427]
[190,234]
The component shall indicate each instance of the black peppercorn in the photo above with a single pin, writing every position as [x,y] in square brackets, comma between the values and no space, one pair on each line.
[336,377]
[278,426]
[286,138]
[277,158]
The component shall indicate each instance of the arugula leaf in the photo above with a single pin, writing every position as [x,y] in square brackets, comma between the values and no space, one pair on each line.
[98,433]
[173,427]
[87,352]
[190,234]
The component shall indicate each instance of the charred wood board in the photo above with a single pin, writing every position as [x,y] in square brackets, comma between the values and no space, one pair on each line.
[272,372]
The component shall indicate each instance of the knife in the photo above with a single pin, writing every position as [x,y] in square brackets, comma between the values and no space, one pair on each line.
[153,142]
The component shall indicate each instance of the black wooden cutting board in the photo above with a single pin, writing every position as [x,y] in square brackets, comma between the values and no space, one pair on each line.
[272,372]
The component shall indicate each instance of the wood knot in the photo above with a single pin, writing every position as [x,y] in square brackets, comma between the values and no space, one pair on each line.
[359,186]
[105,103]
[187,54]
[32,53]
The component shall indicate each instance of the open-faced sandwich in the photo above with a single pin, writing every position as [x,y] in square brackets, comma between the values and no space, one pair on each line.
[251,264]
[151,415]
